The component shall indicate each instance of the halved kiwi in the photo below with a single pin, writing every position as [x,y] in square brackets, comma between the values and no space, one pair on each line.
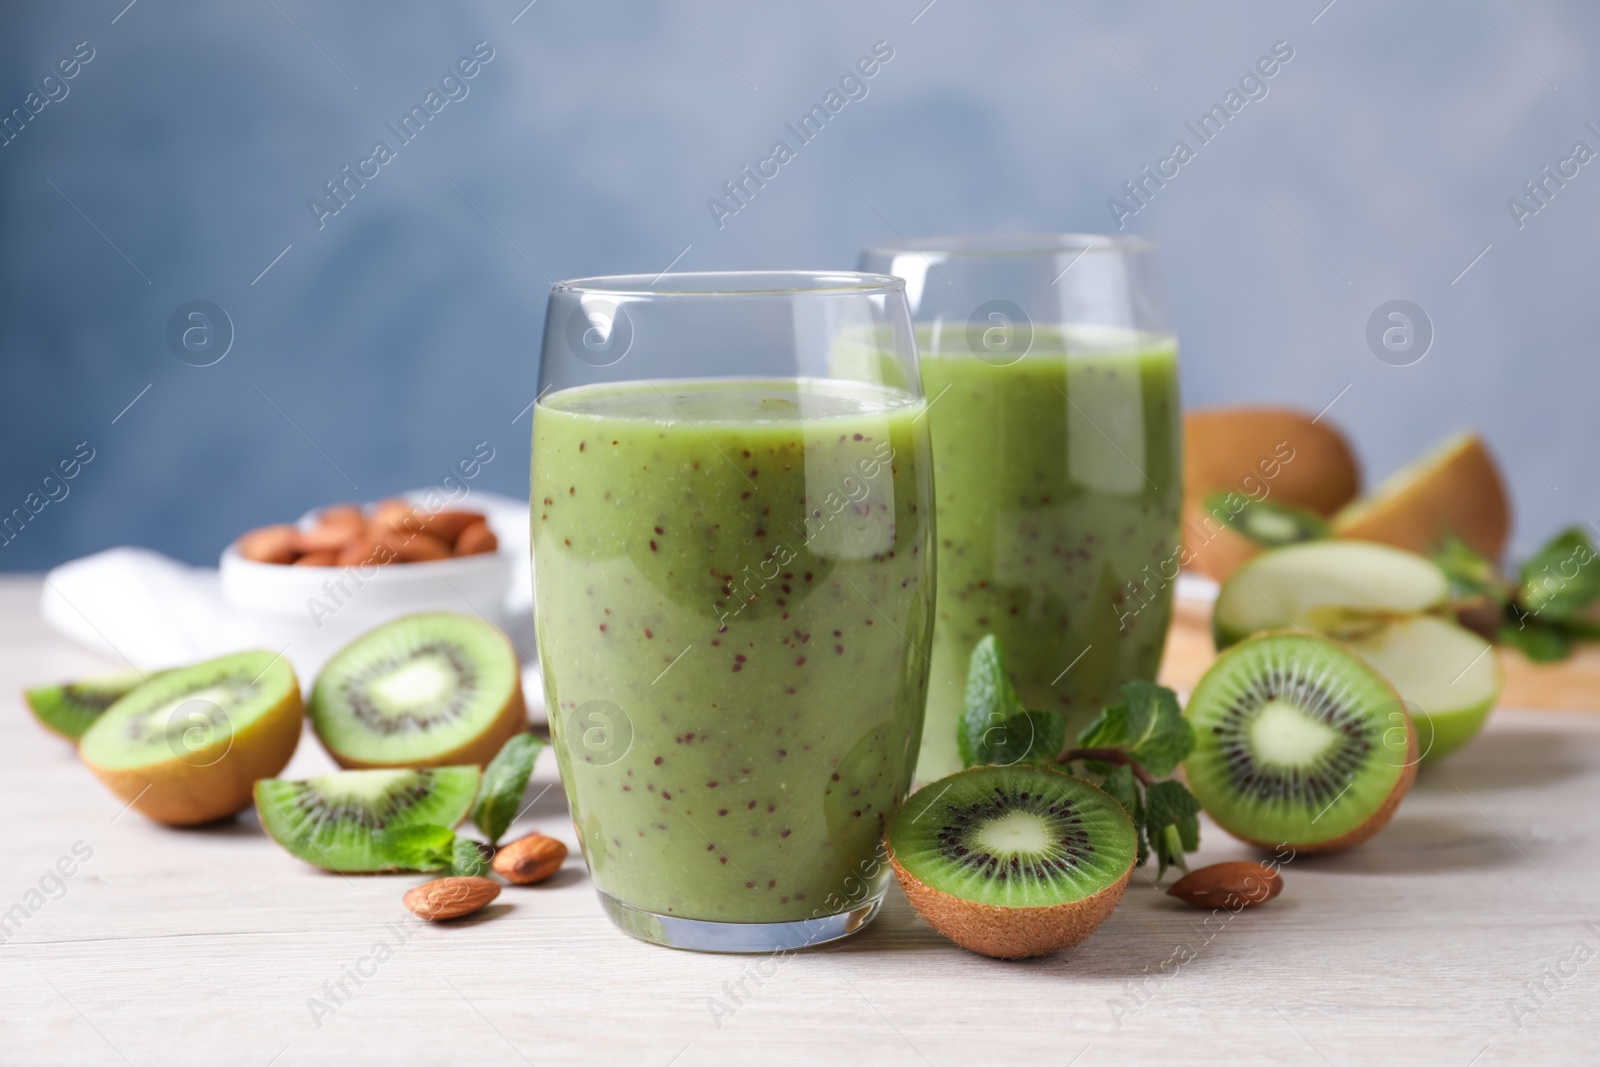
[423,691]
[1454,490]
[333,821]
[1298,742]
[71,708]
[1013,861]
[186,747]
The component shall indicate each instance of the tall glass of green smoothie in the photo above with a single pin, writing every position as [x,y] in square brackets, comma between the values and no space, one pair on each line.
[1050,372]
[733,538]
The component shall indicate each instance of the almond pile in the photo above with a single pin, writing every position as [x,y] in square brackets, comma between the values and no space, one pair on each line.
[393,532]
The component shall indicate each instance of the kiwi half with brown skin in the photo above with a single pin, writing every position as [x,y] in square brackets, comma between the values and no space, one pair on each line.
[187,747]
[1300,743]
[1013,862]
[429,690]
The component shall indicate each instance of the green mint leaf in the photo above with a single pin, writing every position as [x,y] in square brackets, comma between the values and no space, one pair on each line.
[504,782]
[1148,725]
[1109,730]
[1031,737]
[467,858]
[1471,572]
[1171,818]
[1562,578]
[418,848]
[990,703]
[1539,642]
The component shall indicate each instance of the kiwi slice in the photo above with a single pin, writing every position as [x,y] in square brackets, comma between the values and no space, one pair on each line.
[1298,742]
[1013,861]
[1268,523]
[423,691]
[71,708]
[186,747]
[333,821]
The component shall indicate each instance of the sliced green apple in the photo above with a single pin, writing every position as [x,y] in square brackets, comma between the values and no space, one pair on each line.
[1450,676]
[1376,599]
[1341,588]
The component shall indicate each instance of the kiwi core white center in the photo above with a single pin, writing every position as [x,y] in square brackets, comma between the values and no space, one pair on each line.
[1017,832]
[420,681]
[1283,734]
[359,785]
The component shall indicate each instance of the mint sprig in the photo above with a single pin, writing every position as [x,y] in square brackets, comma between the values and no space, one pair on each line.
[1133,748]
[432,848]
[995,728]
[1130,751]
[1544,610]
[504,782]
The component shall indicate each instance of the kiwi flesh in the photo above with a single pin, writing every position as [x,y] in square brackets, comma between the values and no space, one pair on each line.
[187,747]
[1298,742]
[72,707]
[1015,861]
[333,821]
[427,690]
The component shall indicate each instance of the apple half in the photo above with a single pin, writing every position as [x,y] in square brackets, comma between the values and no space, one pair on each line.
[1382,602]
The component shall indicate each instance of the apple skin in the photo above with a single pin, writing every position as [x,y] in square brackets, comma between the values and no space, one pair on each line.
[1451,730]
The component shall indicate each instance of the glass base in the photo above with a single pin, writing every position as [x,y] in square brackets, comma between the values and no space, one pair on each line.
[702,935]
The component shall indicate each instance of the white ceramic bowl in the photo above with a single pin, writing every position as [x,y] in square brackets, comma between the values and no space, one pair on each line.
[316,611]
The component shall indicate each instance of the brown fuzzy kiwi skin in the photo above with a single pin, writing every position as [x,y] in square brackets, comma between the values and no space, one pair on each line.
[176,793]
[1233,450]
[1011,933]
[1366,830]
[512,720]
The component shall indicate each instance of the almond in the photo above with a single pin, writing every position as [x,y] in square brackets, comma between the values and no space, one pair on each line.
[334,528]
[451,898]
[476,539]
[1232,885]
[326,557]
[417,548]
[448,525]
[529,859]
[358,551]
[269,544]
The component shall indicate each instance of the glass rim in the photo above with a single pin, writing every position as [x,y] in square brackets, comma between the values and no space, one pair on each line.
[725,283]
[1012,244]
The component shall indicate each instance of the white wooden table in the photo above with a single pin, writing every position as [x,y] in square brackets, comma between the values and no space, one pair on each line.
[1464,934]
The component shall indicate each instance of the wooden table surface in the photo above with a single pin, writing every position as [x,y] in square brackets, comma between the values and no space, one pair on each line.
[1464,934]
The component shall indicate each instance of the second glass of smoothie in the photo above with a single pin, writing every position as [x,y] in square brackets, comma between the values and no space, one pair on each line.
[1050,373]
[732,525]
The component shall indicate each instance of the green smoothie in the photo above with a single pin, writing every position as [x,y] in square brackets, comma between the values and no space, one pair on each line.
[735,606]
[1059,485]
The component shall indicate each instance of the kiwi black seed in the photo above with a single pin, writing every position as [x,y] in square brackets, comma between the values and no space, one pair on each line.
[423,691]
[1298,742]
[1013,861]
[334,821]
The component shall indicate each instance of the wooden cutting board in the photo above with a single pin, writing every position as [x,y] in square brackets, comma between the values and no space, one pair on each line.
[1572,684]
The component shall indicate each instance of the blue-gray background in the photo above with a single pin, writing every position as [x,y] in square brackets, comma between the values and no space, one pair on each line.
[381,347]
